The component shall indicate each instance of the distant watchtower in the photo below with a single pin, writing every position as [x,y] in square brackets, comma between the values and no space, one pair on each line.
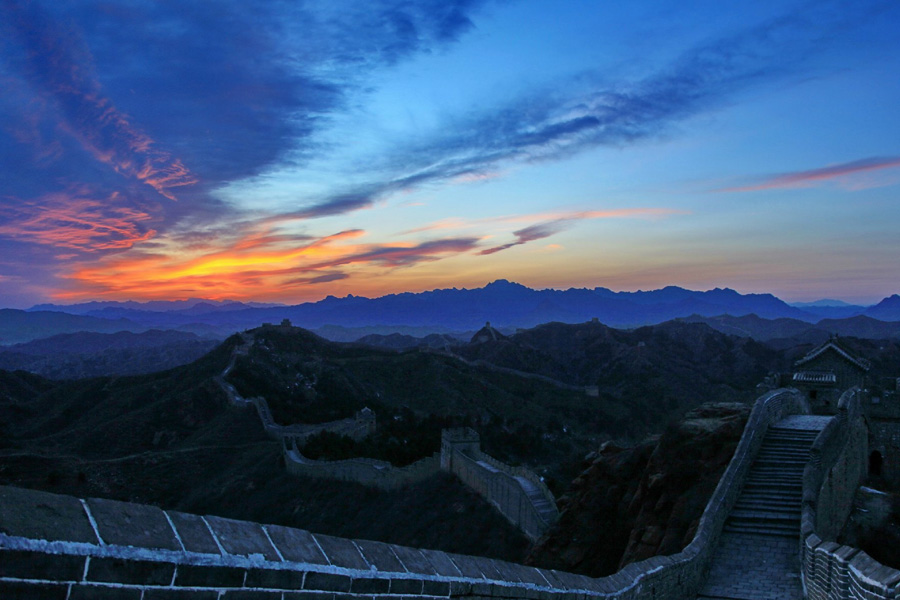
[458,439]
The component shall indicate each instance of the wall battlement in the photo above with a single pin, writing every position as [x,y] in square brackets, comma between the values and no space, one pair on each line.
[836,468]
[54,546]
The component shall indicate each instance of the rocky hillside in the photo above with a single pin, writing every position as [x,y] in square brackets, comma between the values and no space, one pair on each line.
[633,503]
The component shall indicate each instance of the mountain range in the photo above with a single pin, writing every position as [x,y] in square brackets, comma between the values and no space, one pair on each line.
[505,304]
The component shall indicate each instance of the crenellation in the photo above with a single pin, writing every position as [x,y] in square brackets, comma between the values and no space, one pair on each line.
[189,556]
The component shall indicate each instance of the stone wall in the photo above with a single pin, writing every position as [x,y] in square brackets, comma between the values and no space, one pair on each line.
[504,492]
[55,546]
[518,493]
[837,466]
[367,471]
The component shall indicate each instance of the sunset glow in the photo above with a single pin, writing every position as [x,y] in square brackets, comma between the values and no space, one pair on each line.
[274,153]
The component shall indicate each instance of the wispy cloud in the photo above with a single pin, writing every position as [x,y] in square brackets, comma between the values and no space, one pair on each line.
[562,221]
[553,216]
[59,67]
[575,116]
[75,219]
[813,177]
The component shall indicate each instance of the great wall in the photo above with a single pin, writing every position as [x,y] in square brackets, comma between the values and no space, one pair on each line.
[519,494]
[750,544]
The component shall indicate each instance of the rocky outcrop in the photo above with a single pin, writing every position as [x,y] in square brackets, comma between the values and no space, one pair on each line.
[633,503]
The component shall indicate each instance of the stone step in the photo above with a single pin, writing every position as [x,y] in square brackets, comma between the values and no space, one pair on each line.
[771,498]
[747,516]
[754,529]
[770,494]
[776,480]
[774,503]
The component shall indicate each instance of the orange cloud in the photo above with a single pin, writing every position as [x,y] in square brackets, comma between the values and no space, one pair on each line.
[76,220]
[254,262]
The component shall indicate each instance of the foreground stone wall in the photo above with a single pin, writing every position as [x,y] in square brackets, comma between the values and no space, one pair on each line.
[837,466]
[54,546]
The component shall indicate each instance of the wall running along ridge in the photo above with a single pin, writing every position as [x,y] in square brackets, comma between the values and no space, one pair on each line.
[519,494]
[837,466]
[54,546]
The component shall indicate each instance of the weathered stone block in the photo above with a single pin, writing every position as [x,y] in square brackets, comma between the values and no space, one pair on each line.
[296,545]
[208,576]
[119,570]
[194,533]
[436,588]
[489,569]
[242,538]
[467,565]
[414,560]
[506,570]
[250,595]
[380,556]
[441,563]
[169,594]
[482,588]
[43,516]
[527,574]
[15,590]
[370,586]
[282,579]
[126,524]
[460,588]
[406,586]
[327,582]
[24,564]
[309,595]
[341,552]
[551,578]
[96,592]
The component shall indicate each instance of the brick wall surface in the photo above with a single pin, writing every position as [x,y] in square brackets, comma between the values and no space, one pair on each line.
[837,466]
[54,546]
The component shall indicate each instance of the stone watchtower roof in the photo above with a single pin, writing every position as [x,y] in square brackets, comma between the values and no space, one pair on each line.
[832,345]
[814,377]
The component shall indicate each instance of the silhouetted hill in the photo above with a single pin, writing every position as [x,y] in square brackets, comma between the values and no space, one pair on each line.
[17,326]
[753,326]
[85,354]
[673,363]
[886,310]
[172,439]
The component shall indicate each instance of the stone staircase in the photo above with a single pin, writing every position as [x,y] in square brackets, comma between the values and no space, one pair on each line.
[770,501]
[757,555]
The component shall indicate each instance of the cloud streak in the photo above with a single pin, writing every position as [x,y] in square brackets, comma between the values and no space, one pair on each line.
[562,221]
[812,177]
[78,221]
[552,125]
[56,65]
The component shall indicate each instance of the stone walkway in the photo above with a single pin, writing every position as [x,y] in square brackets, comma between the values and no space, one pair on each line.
[758,553]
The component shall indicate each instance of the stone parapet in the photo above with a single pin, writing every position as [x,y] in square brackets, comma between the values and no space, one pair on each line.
[832,571]
[54,546]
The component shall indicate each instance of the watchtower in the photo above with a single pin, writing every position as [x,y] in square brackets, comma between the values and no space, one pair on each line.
[825,372]
[458,439]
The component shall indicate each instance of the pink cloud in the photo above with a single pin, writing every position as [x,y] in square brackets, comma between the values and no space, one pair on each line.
[799,179]
[76,220]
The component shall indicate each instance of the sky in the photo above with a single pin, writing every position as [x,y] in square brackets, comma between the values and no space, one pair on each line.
[288,150]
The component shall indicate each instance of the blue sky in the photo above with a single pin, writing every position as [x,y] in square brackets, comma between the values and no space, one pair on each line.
[290,150]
